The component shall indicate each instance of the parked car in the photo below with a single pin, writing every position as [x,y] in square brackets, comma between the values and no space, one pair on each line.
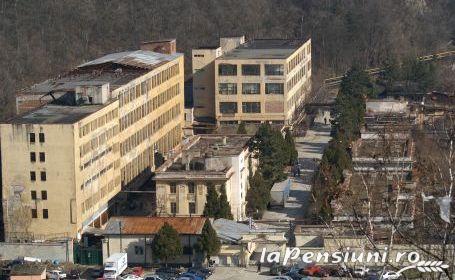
[73,274]
[284,277]
[390,275]
[203,273]
[295,275]
[361,271]
[132,277]
[191,276]
[311,270]
[97,273]
[138,271]
[55,274]
[152,277]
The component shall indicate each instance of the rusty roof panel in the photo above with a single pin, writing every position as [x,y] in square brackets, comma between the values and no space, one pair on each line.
[151,225]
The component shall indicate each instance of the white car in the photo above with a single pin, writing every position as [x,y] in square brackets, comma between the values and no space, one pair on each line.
[362,271]
[282,278]
[55,274]
[132,277]
[152,277]
[390,275]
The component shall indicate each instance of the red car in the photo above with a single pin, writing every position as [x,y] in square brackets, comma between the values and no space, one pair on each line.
[138,271]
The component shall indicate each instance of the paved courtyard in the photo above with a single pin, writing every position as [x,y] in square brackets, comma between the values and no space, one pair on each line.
[310,149]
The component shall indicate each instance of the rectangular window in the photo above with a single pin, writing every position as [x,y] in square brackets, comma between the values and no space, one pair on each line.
[251,88]
[41,137]
[139,250]
[33,194]
[44,195]
[34,213]
[227,69]
[43,176]
[251,70]
[173,208]
[274,69]
[228,107]
[33,157]
[32,137]
[42,157]
[274,88]
[173,188]
[32,176]
[45,213]
[192,207]
[227,88]
[191,187]
[198,55]
[251,107]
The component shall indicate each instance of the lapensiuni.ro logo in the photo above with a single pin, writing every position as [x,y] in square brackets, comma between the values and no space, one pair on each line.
[362,258]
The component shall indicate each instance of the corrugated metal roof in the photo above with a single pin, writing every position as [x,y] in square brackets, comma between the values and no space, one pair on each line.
[139,58]
[151,225]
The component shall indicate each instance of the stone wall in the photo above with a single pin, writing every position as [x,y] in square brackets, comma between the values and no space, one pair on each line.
[61,251]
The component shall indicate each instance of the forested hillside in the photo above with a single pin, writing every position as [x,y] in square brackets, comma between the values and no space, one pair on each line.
[40,38]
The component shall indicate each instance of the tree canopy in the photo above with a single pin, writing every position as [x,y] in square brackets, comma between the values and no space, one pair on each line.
[208,242]
[166,244]
[217,206]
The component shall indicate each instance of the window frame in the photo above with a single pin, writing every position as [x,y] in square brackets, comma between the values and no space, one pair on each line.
[43,195]
[191,208]
[234,111]
[41,137]
[257,90]
[42,157]
[246,72]
[33,176]
[32,157]
[31,137]
[245,104]
[267,90]
[227,73]
[45,213]
[270,69]
[173,207]
[43,176]
[34,213]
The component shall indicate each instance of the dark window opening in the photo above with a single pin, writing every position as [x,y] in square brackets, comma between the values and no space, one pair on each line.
[45,214]
[41,137]
[33,157]
[43,176]
[228,107]
[42,157]
[34,213]
[32,137]
[44,195]
[32,175]
[33,194]
[227,69]
[251,70]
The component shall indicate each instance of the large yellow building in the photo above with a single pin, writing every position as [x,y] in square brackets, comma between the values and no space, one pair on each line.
[96,131]
[253,81]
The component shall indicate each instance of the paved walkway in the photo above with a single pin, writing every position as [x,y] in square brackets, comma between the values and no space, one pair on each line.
[310,149]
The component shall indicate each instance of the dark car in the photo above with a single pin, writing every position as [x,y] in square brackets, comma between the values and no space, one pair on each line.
[204,273]
[73,274]
[97,273]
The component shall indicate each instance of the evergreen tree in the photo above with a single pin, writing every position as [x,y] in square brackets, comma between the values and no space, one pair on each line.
[166,244]
[258,195]
[208,242]
[211,205]
[292,152]
[224,209]
[159,159]
[242,128]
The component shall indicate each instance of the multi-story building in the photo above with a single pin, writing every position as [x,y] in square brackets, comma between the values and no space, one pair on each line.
[254,81]
[205,162]
[95,131]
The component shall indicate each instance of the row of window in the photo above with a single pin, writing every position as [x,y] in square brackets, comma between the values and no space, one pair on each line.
[145,160]
[191,207]
[191,188]
[100,194]
[247,107]
[298,58]
[141,89]
[35,213]
[32,137]
[99,156]
[98,122]
[42,157]
[299,75]
[43,176]
[296,96]
[43,195]
[94,143]
[96,176]
[250,88]
[147,108]
[225,69]
[147,131]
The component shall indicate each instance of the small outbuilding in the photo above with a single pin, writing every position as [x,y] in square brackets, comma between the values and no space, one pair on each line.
[280,193]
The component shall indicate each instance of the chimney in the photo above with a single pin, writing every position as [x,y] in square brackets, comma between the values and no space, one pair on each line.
[166,46]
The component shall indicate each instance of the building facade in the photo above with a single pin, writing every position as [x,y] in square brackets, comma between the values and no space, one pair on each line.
[96,131]
[254,81]
[207,162]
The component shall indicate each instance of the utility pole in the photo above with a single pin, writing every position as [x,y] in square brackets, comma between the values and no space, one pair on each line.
[120,233]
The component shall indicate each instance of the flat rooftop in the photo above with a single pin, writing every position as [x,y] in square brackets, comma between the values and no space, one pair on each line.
[56,114]
[265,49]
[203,156]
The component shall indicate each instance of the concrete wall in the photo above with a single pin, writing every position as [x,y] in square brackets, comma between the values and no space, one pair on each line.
[61,251]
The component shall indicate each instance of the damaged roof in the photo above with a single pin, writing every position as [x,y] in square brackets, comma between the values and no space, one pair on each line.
[139,58]
[151,225]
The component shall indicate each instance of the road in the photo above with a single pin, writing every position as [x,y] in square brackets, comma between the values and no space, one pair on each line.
[310,149]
